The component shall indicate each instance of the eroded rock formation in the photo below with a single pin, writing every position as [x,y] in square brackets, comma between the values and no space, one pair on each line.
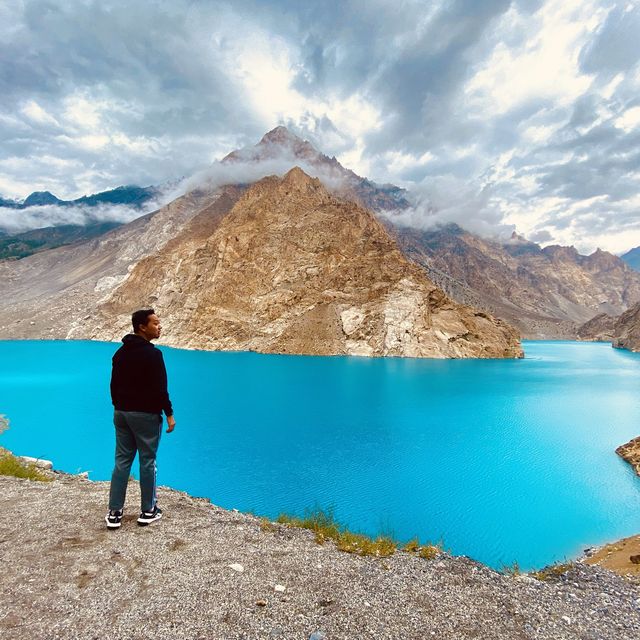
[623,331]
[630,452]
[546,293]
[293,269]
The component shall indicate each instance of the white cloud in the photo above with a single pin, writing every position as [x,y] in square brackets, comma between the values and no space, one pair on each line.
[520,114]
[35,112]
[629,120]
[545,65]
[446,199]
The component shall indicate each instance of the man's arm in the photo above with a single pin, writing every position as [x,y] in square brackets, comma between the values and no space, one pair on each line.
[164,393]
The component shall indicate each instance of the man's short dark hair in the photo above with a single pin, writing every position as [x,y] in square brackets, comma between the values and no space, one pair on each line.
[140,317]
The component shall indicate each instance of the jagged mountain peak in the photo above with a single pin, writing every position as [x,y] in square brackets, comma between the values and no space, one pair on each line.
[281,144]
[281,135]
[297,178]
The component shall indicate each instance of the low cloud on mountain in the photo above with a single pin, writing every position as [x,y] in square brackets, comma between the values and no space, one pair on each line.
[533,102]
[445,200]
[18,220]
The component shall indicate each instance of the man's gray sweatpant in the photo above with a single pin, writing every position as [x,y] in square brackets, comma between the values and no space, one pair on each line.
[135,431]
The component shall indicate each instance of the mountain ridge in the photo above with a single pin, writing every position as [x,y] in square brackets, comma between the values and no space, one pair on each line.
[292,269]
[131,195]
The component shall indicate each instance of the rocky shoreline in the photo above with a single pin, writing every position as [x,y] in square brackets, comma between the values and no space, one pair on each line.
[205,572]
[630,452]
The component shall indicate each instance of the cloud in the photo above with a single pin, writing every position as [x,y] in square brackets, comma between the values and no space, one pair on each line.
[614,47]
[527,107]
[447,200]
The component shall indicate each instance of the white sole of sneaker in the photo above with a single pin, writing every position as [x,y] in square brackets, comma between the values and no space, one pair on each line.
[112,525]
[143,522]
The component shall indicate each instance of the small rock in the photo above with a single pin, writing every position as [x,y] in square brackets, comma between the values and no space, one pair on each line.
[317,635]
[237,567]
[635,559]
[84,474]
[261,603]
[367,604]
[567,619]
[279,588]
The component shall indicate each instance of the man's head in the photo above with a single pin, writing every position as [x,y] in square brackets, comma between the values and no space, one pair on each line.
[146,324]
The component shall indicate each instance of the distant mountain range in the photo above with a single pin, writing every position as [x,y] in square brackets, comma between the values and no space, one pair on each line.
[632,258]
[281,266]
[544,292]
[24,244]
[129,195]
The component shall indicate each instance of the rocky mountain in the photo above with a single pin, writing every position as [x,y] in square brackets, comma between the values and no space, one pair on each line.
[26,243]
[280,143]
[626,331]
[599,329]
[293,269]
[630,452]
[286,267]
[54,294]
[545,293]
[632,258]
[623,331]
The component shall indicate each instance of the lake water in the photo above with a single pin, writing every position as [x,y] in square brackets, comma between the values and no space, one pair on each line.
[504,460]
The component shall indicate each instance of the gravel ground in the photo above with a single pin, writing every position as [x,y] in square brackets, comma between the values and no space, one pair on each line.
[64,575]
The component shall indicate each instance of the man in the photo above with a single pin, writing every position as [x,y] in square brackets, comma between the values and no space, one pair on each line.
[139,395]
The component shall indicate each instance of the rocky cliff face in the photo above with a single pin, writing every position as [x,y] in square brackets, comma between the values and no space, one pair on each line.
[293,269]
[600,328]
[544,292]
[626,331]
[623,330]
[630,453]
[54,294]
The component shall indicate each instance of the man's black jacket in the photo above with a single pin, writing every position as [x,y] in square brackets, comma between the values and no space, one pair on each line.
[139,377]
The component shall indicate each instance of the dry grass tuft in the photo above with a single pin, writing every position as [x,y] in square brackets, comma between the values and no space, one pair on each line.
[326,527]
[553,571]
[10,465]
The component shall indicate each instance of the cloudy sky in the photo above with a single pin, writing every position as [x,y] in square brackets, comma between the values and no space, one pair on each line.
[495,113]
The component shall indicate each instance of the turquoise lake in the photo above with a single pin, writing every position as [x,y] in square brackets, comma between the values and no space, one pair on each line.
[503,460]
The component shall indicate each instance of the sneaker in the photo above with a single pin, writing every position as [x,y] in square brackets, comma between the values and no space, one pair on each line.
[147,517]
[113,519]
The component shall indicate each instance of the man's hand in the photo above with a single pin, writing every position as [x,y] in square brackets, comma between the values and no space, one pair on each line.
[171,423]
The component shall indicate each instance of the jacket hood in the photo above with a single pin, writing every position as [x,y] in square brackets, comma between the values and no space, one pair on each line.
[132,341]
